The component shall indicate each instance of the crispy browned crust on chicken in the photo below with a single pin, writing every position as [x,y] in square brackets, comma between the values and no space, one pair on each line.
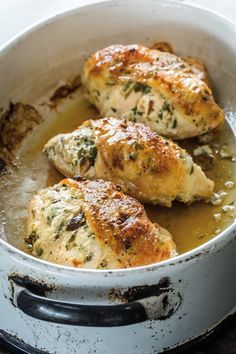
[145,165]
[198,68]
[196,64]
[168,93]
[121,233]
[122,222]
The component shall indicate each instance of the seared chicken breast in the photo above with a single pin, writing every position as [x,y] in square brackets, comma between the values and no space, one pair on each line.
[91,224]
[146,166]
[160,89]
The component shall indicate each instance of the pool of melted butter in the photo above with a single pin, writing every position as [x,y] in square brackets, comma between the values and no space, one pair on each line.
[190,225]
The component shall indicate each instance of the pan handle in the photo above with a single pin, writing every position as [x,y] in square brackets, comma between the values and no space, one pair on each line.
[153,307]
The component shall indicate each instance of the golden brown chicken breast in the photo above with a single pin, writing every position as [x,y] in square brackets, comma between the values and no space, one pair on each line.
[146,166]
[91,224]
[157,88]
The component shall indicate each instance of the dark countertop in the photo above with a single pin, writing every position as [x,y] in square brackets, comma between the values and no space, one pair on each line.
[222,341]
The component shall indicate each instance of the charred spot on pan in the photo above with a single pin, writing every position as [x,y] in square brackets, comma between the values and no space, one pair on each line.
[135,293]
[165,302]
[65,90]
[36,286]
[164,283]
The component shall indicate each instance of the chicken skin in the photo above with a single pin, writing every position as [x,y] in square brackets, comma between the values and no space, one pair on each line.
[146,166]
[92,224]
[168,93]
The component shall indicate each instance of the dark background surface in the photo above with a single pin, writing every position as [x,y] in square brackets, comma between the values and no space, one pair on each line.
[222,341]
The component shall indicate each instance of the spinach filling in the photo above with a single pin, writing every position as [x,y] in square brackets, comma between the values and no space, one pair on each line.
[137,87]
[165,108]
[86,151]
[140,87]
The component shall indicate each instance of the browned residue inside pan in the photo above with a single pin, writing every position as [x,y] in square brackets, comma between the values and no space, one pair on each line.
[66,89]
[15,124]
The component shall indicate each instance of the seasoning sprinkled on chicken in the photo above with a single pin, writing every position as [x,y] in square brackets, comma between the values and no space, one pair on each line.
[145,165]
[168,93]
[91,224]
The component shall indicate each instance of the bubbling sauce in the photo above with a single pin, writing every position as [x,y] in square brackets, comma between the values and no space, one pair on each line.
[190,225]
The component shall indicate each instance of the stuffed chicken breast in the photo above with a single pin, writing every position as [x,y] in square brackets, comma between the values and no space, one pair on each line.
[168,93]
[91,224]
[146,166]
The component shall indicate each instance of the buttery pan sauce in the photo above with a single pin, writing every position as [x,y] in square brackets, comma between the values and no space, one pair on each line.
[190,226]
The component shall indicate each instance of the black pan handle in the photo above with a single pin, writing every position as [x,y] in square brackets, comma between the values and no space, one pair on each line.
[47,309]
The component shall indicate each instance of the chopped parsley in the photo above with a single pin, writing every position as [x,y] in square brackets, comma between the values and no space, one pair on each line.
[137,87]
[51,215]
[134,110]
[60,229]
[71,242]
[86,150]
[88,258]
[166,107]
[127,88]
[39,252]
[140,87]
[174,123]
